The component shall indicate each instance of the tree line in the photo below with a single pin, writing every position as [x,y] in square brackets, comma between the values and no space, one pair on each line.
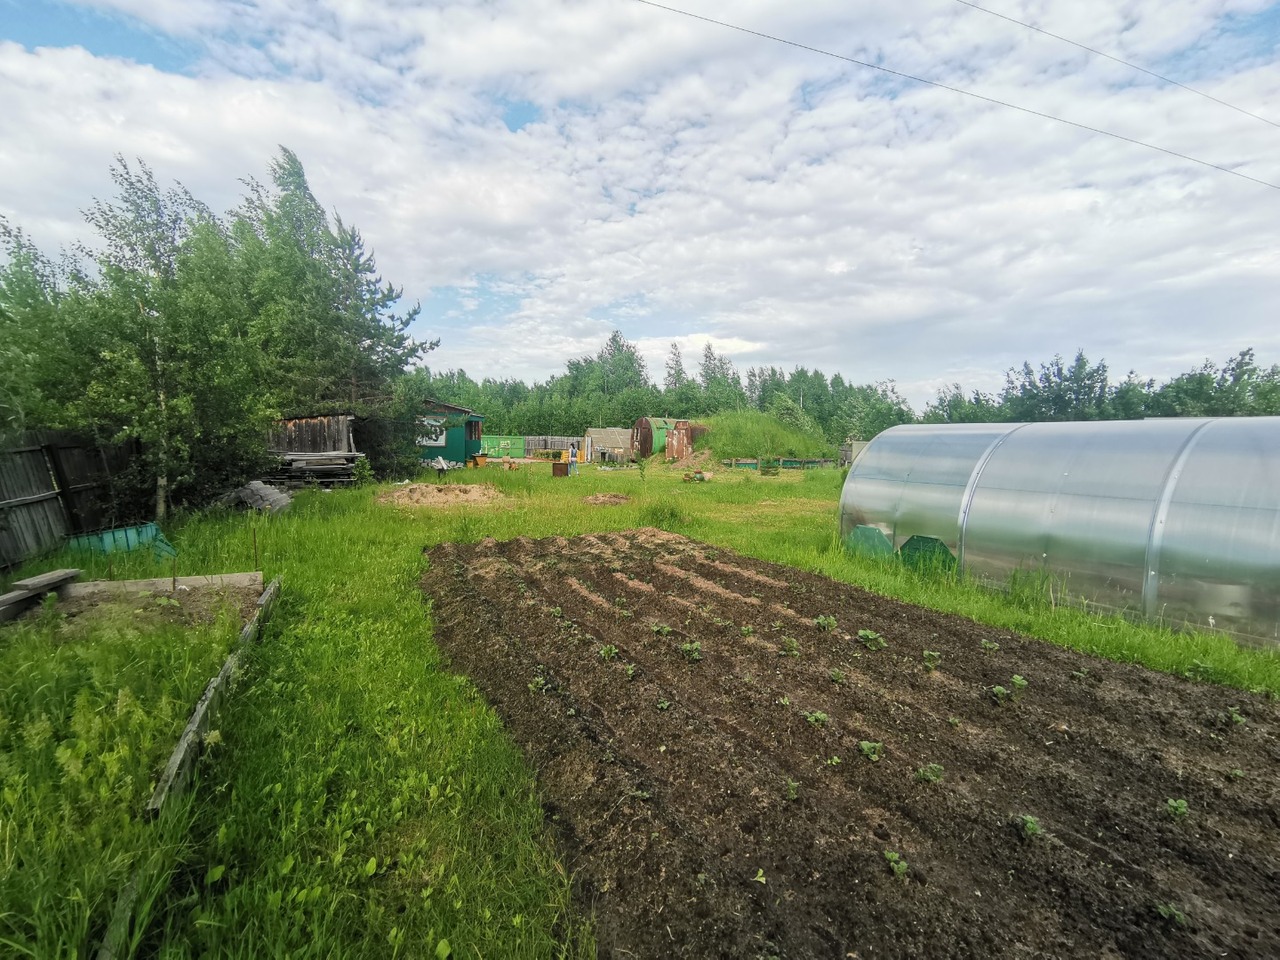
[190,332]
[613,388]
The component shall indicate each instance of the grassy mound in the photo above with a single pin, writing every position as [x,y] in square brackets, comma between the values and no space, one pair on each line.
[749,434]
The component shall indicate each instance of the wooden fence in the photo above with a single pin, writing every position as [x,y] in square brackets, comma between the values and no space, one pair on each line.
[53,485]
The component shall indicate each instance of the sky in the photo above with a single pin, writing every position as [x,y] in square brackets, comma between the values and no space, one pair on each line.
[538,173]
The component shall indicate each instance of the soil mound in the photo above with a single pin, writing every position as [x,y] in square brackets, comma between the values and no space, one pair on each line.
[439,495]
[743,760]
[606,499]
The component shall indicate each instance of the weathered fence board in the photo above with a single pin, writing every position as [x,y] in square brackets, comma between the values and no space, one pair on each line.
[32,518]
[53,485]
[312,435]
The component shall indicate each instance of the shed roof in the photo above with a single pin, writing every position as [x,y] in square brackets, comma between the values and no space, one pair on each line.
[611,438]
[439,406]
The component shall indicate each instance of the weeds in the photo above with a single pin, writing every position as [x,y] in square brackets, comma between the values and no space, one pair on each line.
[660,629]
[897,865]
[1168,911]
[825,623]
[608,652]
[932,659]
[792,789]
[836,676]
[1029,826]
[790,647]
[89,709]
[871,749]
[816,717]
[930,773]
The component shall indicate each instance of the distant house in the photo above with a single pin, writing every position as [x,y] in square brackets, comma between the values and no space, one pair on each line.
[449,431]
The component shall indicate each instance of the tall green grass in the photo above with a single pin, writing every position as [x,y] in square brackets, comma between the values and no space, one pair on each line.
[747,434]
[88,717]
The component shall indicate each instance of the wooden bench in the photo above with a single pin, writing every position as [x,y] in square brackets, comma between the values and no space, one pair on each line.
[31,590]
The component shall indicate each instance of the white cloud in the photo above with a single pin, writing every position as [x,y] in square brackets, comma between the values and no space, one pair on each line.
[686,182]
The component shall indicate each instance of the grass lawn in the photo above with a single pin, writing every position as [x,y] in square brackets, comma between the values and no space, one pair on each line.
[364,802]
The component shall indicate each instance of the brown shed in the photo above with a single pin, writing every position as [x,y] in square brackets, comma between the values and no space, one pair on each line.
[658,435]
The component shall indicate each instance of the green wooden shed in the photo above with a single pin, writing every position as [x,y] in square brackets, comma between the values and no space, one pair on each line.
[449,431]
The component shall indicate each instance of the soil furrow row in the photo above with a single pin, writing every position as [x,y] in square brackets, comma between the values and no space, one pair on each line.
[749,802]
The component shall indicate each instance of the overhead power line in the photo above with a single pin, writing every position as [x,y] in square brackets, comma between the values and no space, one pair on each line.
[963,92]
[1132,66]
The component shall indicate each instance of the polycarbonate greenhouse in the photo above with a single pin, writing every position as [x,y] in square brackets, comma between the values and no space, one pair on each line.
[1174,520]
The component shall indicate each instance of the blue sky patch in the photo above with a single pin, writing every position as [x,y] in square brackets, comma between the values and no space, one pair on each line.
[1223,51]
[518,114]
[52,24]
[450,309]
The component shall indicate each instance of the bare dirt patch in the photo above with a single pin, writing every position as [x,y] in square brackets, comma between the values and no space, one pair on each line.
[187,606]
[606,499]
[440,495]
[741,797]
[696,461]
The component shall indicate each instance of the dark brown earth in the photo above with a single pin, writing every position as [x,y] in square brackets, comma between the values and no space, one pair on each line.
[706,811]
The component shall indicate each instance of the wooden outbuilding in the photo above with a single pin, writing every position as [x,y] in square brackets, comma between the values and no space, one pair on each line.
[449,431]
[672,439]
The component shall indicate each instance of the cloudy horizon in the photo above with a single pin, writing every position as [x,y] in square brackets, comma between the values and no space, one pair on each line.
[538,174]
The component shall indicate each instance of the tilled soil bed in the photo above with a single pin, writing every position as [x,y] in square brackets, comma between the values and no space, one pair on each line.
[747,796]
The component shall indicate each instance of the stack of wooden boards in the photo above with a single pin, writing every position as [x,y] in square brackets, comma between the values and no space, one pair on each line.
[331,468]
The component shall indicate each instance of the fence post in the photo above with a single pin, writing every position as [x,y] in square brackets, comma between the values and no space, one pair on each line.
[51,451]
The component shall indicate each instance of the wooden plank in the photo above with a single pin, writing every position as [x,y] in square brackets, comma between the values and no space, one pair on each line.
[113,944]
[177,772]
[33,498]
[180,769]
[47,581]
[164,584]
[13,603]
